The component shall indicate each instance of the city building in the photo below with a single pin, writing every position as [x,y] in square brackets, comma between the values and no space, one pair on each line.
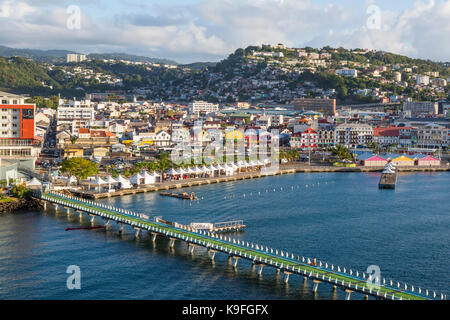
[347,72]
[432,136]
[421,79]
[309,139]
[203,107]
[326,138]
[326,106]
[415,108]
[74,57]
[353,134]
[73,115]
[17,128]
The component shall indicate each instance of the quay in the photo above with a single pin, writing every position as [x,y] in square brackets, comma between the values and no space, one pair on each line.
[388,180]
[260,255]
[284,169]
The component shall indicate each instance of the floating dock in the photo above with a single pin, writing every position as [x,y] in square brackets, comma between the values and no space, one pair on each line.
[388,178]
[221,227]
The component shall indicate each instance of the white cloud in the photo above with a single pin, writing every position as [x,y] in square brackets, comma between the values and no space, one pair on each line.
[212,29]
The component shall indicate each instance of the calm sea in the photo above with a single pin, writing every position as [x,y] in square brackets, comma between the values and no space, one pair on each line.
[341,218]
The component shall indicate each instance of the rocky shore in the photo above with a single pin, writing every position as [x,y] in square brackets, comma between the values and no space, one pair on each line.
[19,204]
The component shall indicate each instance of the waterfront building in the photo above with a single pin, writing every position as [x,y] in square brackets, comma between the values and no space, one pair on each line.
[371,160]
[17,128]
[428,161]
[326,138]
[433,136]
[403,161]
[387,136]
[309,139]
[353,134]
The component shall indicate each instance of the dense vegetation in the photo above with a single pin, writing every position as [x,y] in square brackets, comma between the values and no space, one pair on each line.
[37,79]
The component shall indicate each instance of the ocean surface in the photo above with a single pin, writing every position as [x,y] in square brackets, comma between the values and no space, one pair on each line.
[341,218]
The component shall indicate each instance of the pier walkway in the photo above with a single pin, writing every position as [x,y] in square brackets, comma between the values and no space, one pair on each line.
[260,255]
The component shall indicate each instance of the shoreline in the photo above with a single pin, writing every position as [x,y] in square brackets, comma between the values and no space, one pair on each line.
[284,169]
[19,204]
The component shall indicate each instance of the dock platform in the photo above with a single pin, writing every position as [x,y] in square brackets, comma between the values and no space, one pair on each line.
[388,180]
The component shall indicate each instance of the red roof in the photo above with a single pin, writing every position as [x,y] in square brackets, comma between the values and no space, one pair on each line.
[387,132]
[429,158]
[83,130]
[375,158]
[310,131]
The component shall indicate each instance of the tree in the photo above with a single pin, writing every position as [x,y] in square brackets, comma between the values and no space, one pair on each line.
[20,191]
[374,147]
[79,167]
[342,152]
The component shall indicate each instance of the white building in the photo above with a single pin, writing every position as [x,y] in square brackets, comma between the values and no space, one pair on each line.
[347,72]
[353,134]
[18,139]
[203,106]
[74,57]
[421,79]
[432,136]
[415,108]
[75,115]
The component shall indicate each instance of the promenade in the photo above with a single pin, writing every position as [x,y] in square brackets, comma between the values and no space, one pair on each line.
[289,168]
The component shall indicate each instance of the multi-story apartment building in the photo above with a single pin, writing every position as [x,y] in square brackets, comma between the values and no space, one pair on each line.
[327,106]
[415,108]
[347,72]
[421,79]
[309,139]
[204,107]
[74,115]
[432,136]
[17,128]
[386,136]
[74,57]
[353,134]
[326,138]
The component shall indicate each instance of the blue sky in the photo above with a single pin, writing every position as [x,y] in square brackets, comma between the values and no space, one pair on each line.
[208,30]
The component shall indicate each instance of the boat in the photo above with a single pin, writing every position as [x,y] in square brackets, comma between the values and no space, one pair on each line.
[85,228]
[184,195]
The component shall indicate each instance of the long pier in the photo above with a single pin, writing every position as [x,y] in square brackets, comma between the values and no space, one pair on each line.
[318,271]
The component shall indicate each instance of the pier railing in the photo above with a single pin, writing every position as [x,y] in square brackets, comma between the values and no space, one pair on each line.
[260,255]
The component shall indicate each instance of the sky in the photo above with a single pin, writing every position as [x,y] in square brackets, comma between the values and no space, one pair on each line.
[209,30]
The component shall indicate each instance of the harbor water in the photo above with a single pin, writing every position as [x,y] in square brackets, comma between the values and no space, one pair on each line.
[340,218]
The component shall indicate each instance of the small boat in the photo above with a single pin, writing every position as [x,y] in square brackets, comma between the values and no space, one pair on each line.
[184,195]
[86,228]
